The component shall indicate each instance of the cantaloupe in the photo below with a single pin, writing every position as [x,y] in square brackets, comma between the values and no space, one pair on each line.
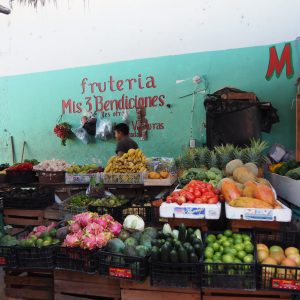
[232,165]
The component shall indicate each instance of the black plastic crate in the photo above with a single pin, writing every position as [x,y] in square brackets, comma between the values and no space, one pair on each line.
[20,176]
[123,267]
[36,258]
[115,212]
[41,201]
[145,212]
[8,254]
[270,277]
[228,275]
[179,275]
[77,259]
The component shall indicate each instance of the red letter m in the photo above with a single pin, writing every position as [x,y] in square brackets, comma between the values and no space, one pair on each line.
[278,64]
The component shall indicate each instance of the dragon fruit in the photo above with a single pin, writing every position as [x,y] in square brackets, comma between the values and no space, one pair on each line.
[71,240]
[89,231]
[115,228]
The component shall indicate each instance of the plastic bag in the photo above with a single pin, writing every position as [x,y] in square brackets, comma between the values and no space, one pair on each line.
[125,117]
[103,129]
[81,134]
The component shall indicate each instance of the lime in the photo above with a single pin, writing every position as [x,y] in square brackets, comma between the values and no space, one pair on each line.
[220,266]
[216,246]
[23,243]
[210,238]
[46,243]
[248,259]
[237,236]
[210,245]
[209,252]
[230,240]
[208,260]
[227,258]
[48,238]
[228,233]
[44,234]
[246,237]
[232,251]
[226,244]
[219,236]
[247,242]
[221,249]
[239,247]
[237,261]
[217,256]
[39,243]
[238,241]
[241,254]
[33,237]
[53,232]
[28,243]
[249,248]
[231,271]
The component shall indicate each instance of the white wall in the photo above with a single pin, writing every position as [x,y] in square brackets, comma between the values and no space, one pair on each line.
[87,32]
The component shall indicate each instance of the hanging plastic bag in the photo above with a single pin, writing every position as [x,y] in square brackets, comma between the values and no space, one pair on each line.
[103,129]
[81,134]
[125,117]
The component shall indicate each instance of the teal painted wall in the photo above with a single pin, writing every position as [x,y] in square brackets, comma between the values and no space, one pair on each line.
[31,104]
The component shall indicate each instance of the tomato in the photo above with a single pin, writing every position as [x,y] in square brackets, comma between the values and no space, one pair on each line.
[176,193]
[183,192]
[209,194]
[169,199]
[189,196]
[198,201]
[209,186]
[203,199]
[217,191]
[181,200]
[197,193]
[204,190]
[213,200]
[190,189]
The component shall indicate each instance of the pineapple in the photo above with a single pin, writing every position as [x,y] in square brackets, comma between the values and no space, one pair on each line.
[212,159]
[254,153]
[187,159]
[224,154]
[201,157]
[239,153]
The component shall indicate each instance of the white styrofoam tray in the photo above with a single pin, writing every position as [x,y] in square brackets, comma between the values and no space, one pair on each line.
[259,214]
[190,211]
[286,188]
[81,178]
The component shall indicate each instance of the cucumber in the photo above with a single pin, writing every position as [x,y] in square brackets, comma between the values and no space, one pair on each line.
[170,240]
[174,256]
[182,233]
[193,258]
[155,254]
[189,233]
[186,245]
[190,249]
[177,245]
[155,242]
[160,235]
[197,241]
[183,255]
[165,253]
[198,249]
[192,237]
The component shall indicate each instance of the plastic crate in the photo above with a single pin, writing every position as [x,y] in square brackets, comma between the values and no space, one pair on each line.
[179,275]
[115,212]
[228,275]
[123,267]
[39,202]
[51,177]
[36,258]
[19,177]
[8,254]
[270,277]
[145,212]
[77,259]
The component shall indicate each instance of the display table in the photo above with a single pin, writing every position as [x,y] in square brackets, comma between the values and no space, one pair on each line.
[144,291]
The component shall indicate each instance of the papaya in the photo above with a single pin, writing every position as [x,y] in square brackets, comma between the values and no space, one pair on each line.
[164,174]
[247,202]
[229,190]
[250,187]
[242,175]
[265,193]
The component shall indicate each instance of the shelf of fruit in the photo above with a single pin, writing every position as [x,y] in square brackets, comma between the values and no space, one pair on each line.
[196,200]
[80,174]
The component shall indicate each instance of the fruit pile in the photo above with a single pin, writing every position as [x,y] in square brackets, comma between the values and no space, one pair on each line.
[84,169]
[228,247]
[41,236]
[197,192]
[137,243]
[110,201]
[21,167]
[63,131]
[158,175]
[177,246]
[134,161]
[8,240]
[53,165]
[90,231]
[277,256]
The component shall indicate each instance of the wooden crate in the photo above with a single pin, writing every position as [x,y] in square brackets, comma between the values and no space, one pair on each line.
[79,286]
[236,225]
[51,214]
[23,217]
[21,285]
[212,294]
[144,291]
[197,223]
